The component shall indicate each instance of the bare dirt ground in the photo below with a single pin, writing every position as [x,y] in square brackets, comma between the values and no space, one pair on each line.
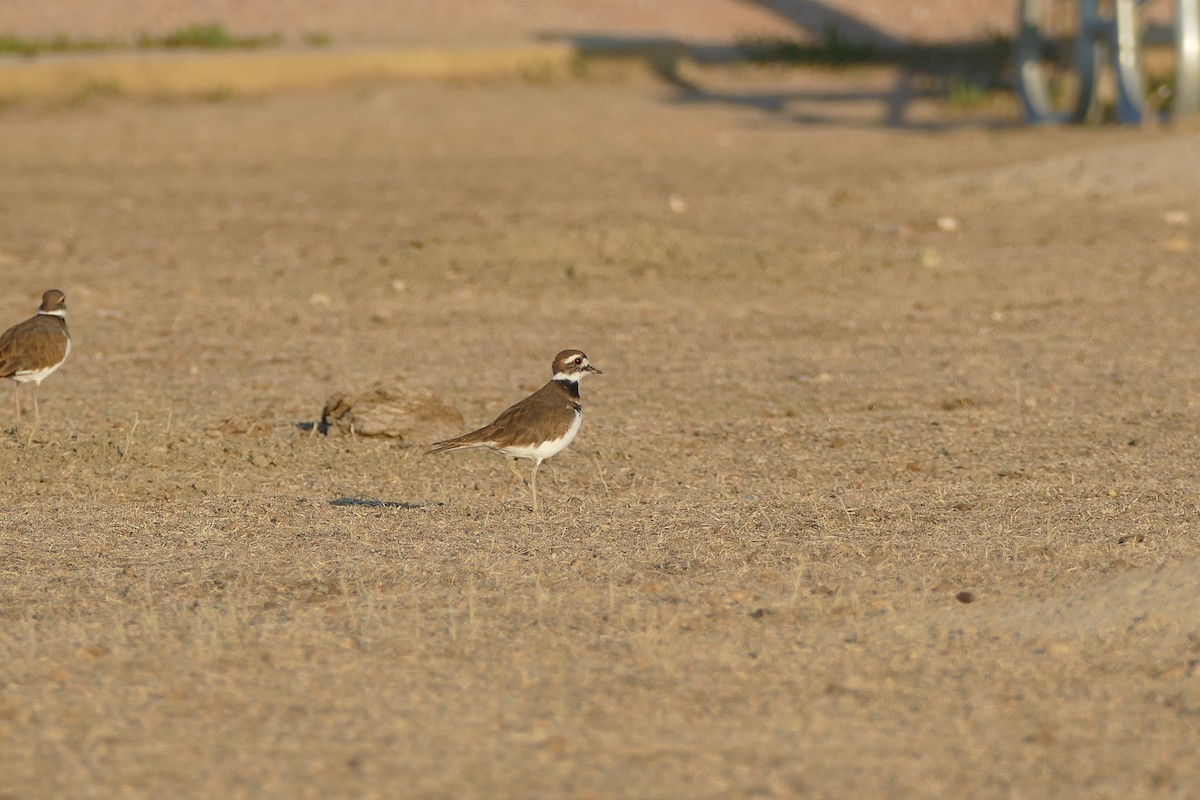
[823,418]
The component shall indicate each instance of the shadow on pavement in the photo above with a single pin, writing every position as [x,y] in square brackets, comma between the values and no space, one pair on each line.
[828,38]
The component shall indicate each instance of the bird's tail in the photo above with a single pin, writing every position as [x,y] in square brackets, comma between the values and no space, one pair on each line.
[460,443]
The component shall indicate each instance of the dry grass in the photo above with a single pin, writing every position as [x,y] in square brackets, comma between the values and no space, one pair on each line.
[821,419]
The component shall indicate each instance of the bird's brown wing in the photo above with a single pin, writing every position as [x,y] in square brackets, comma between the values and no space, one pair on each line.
[519,423]
[37,342]
[7,353]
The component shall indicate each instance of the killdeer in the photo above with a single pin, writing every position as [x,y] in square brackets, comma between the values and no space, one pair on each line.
[34,349]
[539,426]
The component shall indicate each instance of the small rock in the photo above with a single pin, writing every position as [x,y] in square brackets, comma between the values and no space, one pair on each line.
[395,409]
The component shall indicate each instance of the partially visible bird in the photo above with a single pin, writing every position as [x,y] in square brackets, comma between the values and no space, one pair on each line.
[538,427]
[35,348]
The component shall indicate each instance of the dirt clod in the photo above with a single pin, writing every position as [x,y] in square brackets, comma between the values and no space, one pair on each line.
[396,410]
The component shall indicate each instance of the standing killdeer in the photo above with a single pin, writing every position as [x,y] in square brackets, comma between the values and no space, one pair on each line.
[539,426]
[32,350]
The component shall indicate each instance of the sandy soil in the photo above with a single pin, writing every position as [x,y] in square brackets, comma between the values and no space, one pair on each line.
[824,419]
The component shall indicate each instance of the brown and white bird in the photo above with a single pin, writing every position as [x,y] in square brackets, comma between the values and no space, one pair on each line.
[538,427]
[34,349]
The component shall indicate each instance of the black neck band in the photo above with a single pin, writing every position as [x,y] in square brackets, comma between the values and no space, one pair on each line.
[572,387]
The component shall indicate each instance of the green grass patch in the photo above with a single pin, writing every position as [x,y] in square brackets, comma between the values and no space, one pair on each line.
[965,95]
[199,36]
[208,36]
[17,46]
[316,39]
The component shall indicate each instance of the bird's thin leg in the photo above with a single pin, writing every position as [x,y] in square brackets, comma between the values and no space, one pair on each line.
[17,399]
[37,417]
[533,483]
[512,465]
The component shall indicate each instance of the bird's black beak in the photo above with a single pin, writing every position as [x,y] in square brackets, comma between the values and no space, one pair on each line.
[590,368]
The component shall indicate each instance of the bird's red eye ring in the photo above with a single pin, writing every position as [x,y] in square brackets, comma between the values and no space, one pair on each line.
[578,360]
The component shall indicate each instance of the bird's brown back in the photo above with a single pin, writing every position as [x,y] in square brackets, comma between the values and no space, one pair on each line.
[545,414]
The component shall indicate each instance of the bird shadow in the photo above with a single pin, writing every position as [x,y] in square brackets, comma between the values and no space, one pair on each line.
[369,502]
[361,502]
